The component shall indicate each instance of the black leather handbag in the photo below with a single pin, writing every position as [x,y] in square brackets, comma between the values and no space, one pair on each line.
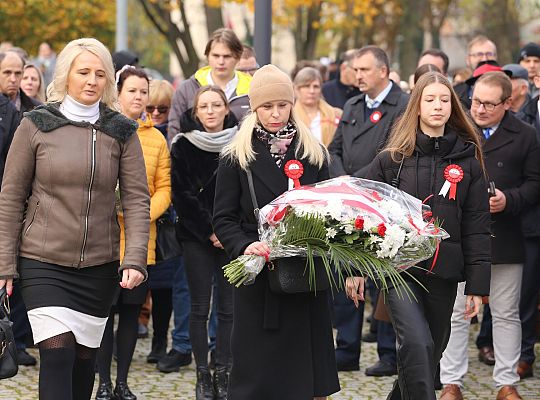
[8,351]
[167,245]
[289,275]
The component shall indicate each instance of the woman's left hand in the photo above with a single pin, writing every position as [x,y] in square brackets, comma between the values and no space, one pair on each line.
[131,278]
[354,289]
[472,306]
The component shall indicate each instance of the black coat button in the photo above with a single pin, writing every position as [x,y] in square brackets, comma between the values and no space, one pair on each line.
[500,164]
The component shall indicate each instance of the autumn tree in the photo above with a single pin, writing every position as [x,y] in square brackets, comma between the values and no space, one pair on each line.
[175,31]
[28,23]
[499,20]
[145,40]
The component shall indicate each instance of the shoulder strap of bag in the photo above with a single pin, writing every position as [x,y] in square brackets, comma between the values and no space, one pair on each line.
[395,181]
[209,181]
[253,197]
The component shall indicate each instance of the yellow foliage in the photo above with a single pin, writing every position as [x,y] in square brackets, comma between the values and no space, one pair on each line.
[28,23]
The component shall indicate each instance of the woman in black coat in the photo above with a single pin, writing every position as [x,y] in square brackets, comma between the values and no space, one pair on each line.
[435,142]
[208,127]
[282,345]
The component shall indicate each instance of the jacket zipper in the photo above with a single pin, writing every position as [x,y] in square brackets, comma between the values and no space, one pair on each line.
[89,194]
[434,166]
[33,218]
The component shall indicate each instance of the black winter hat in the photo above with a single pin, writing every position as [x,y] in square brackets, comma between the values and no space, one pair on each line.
[124,57]
[529,50]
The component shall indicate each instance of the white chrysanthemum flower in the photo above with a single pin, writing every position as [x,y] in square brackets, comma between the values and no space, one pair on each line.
[331,233]
[393,240]
[348,229]
[392,209]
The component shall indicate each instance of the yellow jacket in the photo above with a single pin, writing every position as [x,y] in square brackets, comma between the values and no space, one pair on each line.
[158,173]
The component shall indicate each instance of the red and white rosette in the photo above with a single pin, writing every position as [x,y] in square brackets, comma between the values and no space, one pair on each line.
[453,175]
[375,116]
[294,170]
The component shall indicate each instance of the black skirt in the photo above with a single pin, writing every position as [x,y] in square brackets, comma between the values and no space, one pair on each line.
[65,299]
[89,290]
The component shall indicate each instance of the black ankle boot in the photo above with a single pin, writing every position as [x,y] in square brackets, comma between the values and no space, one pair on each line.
[122,392]
[204,389]
[221,382]
[159,350]
[105,392]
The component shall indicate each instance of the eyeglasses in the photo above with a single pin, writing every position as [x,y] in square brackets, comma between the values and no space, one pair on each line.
[161,109]
[489,107]
[213,106]
[248,70]
[480,54]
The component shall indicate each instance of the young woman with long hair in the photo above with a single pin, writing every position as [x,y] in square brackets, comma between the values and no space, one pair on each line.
[208,128]
[435,142]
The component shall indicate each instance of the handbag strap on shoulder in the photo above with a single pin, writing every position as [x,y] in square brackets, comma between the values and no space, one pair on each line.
[252,193]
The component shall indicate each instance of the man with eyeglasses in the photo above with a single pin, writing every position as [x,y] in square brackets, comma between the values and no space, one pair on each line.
[248,61]
[511,160]
[479,49]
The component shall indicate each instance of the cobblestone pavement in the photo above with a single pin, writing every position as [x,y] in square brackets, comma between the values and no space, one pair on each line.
[148,383]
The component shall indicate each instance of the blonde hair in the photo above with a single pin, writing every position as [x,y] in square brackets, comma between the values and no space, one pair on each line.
[161,92]
[240,149]
[57,89]
[40,95]
[402,140]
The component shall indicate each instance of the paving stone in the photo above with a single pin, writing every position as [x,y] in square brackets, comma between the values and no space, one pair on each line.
[148,383]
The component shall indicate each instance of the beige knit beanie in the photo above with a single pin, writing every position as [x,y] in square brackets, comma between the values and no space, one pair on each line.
[269,83]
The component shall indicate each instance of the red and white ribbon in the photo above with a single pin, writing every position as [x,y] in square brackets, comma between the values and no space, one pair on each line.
[453,175]
[294,170]
[375,117]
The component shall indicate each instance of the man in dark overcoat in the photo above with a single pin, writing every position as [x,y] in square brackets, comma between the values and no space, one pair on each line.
[511,157]
[361,134]
[530,283]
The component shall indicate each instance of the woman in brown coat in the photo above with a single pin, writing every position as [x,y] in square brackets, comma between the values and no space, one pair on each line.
[58,229]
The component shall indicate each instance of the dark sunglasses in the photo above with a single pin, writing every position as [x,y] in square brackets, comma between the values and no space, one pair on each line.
[161,109]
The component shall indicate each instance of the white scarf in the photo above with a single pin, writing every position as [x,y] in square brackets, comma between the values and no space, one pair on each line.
[210,142]
[78,112]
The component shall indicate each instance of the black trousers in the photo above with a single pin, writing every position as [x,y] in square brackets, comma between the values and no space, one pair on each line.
[422,329]
[203,262]
[528,305]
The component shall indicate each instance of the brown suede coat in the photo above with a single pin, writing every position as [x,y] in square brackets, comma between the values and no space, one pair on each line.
[57,203]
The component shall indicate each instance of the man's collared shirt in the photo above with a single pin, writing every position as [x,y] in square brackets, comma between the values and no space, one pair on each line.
[376,102]
[231,85]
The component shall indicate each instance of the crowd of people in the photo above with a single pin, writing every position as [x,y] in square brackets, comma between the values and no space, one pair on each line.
[123,197]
